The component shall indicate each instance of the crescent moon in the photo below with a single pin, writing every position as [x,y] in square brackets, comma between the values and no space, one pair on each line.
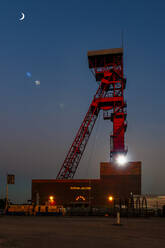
[22,17]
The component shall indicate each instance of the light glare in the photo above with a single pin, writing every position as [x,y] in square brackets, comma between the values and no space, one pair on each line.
[121,159]
[110,198]
[51,198]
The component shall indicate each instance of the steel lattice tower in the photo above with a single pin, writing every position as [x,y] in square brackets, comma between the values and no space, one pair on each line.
[107,67]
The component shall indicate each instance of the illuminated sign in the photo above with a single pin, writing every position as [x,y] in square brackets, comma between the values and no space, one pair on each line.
[80,197]
[80,188]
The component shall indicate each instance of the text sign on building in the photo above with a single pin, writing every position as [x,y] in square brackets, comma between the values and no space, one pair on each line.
[10,179]
[80,188]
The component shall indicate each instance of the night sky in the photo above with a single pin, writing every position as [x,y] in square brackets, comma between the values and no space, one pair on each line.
[39,122]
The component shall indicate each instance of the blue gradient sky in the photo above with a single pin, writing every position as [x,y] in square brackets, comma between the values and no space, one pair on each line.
[38,124]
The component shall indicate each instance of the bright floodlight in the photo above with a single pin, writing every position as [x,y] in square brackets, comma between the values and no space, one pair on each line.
[121,159]
[51,198]
[110,198]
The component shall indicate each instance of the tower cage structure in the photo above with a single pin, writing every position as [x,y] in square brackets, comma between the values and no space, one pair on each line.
[107,67]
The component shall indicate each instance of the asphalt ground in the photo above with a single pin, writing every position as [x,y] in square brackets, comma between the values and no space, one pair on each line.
[78,232]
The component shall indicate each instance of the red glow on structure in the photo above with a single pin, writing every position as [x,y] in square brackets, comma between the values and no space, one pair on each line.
[51,200]
[107,66]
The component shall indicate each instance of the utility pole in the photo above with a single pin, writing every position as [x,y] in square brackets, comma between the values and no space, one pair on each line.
[6,203]
[10,179]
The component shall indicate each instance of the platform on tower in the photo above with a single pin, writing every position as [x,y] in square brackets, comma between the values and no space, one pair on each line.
[100,58]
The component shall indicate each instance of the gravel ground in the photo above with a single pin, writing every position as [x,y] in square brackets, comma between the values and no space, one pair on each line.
[77,232]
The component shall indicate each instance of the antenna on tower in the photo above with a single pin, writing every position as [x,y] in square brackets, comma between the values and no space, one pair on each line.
[122,38]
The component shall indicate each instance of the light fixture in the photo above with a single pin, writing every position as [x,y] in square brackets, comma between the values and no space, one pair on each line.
[51,198]
[121,159]
[110,198]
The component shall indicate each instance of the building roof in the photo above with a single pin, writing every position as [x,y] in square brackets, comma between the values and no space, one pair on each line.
[64,180]
[105,52]
[99,58]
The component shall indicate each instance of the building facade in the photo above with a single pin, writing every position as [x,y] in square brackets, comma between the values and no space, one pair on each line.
[115,182]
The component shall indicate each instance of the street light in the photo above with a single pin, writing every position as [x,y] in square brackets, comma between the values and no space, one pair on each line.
[110,198]
[51,200]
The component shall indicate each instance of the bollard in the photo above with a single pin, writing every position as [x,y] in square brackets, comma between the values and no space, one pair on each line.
[118,220]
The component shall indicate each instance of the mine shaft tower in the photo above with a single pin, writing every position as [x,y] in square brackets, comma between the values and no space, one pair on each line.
[107,67]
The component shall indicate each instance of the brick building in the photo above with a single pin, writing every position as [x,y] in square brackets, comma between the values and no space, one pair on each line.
[114,181]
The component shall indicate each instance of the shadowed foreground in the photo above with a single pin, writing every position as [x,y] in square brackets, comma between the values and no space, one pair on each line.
[30,231]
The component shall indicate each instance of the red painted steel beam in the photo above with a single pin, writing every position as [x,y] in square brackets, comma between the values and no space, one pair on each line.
[108,69]
[75,153]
